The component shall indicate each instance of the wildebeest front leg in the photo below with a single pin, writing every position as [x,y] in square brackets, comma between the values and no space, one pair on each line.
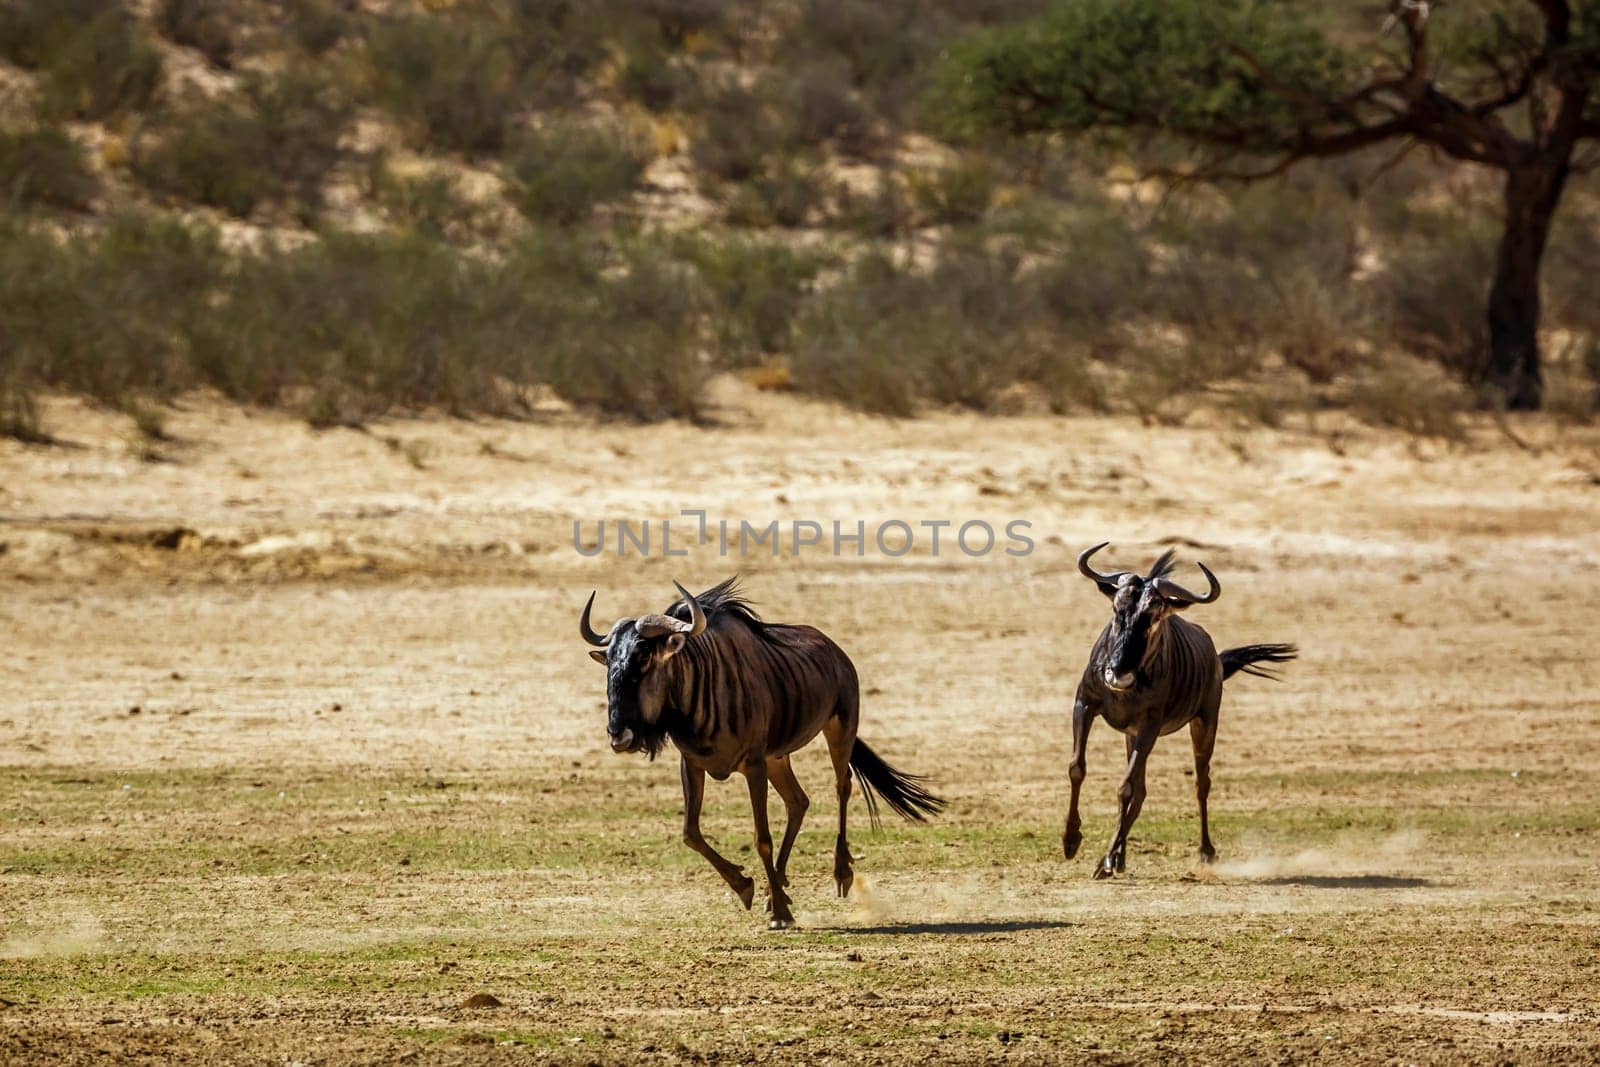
[1203,732]
[694,791]
[1082,719]
[795,803]
[755,772]
[1131,799]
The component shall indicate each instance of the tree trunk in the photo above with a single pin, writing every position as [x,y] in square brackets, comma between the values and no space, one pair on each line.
[1533,190]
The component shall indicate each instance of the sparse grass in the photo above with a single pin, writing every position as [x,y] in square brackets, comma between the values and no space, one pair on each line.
[429,203]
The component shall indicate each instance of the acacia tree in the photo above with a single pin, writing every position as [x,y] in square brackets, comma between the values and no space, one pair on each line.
[1258,85]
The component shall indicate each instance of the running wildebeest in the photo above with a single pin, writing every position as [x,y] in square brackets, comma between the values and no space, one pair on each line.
[735,693]
[1149,673]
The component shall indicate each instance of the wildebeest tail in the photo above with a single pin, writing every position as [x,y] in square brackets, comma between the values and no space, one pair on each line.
[902,792]
[1246,657]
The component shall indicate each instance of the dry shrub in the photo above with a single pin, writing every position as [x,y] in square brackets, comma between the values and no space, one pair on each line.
[207,26]
[886,337]
[1412,395]
[739,131]
[789,191]
[19,414]
[756,289]
[958,194]
[884,211]
[45,167]
[453,82]
[1265,268]
[639,354]
[272,141]
[430,203]
[825,106]
[559,173]
[1434,287]
[95,59]
[317,26]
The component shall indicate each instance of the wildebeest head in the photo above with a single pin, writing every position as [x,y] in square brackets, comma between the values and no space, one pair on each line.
[1139,610]
[635,654]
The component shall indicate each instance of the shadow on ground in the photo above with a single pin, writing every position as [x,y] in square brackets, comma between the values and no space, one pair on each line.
[1349,881]
[998,926]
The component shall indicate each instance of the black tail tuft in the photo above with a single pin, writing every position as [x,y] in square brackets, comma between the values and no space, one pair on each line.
[1245,657]
[902,792]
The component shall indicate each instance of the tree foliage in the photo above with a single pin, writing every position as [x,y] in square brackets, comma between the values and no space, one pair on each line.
[1261,84]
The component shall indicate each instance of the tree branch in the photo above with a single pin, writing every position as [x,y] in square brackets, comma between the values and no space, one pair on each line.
[1308,147]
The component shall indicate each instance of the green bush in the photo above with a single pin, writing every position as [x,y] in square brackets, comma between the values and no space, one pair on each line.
[105,314]
[756,288]
[45,167]
[740,131]
[638,354]
[957,194]
[1411,395]
[790,191]
[886,337]
[559,173]
[826,107]
[651,79]
[272,141]
[204,25]
[95,60]
[317,26]
[453,83]
[1434,287]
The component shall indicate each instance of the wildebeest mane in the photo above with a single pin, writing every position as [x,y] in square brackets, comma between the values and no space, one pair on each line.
[1163,565]
[724,598]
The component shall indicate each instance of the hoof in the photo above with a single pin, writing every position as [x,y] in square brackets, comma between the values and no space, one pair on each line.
[1208,855]
[747,893]
[1103,871]
[842,884]
[781,924]
[1070,843]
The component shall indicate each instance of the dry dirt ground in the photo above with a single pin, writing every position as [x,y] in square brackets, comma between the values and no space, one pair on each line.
[302,751]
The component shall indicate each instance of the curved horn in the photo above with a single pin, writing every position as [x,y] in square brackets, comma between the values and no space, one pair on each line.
[1172,590]
[697,615]
[657,625]
[1089,572]
[588,631]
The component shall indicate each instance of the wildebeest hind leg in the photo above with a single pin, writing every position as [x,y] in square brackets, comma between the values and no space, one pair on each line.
[1203,732]
[1082,719]
[755,773]
[694,791]
[840,734]
[795,803]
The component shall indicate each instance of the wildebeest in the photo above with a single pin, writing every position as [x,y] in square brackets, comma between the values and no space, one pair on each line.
[735,693]
[1149,673]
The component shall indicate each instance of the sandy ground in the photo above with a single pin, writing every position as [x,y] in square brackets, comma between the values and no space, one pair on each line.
[301,750]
